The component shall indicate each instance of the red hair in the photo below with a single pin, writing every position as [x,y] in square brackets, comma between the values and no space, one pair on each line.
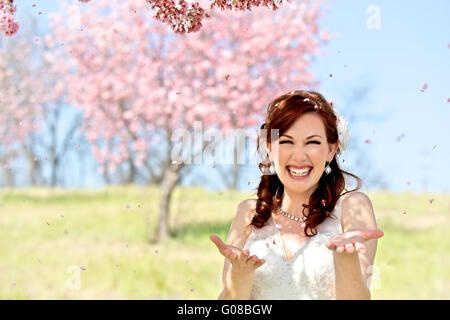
[282,112]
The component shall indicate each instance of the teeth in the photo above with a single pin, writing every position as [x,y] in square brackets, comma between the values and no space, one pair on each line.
[296,172]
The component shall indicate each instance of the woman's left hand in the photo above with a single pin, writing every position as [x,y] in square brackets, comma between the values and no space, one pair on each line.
[352,240]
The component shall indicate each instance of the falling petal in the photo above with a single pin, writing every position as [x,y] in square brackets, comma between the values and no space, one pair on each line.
[367,141]
[408,183]
[424,87]
[278,226]
[82,268]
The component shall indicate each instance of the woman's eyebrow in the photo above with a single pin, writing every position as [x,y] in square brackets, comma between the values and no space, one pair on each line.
[288,136]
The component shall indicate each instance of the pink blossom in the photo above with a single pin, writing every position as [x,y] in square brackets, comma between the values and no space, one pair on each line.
[129,88]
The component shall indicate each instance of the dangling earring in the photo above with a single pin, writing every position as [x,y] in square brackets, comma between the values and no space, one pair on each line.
[267,171]
[327,168]
[272,168]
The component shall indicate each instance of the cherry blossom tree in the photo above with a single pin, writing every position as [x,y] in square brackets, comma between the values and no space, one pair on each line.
[137,82]
[182,16]
[8,23]
[21,96]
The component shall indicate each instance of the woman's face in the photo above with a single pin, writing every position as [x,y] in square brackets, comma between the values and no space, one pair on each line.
[302,152]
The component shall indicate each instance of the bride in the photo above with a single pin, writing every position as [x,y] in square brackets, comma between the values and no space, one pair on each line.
[302,238]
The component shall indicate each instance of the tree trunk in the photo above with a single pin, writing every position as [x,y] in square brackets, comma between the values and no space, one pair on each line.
[54,176]
[170,180]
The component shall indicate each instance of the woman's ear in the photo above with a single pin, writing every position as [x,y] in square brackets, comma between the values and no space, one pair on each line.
[333,149]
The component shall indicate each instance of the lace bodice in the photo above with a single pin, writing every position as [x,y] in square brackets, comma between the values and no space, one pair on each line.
[309,274]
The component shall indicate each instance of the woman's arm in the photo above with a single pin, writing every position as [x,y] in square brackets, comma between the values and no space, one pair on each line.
[237,278]
[354,250]
[350,284]
[237,286]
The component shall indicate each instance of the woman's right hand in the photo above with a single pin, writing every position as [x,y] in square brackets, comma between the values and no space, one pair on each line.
[240,259]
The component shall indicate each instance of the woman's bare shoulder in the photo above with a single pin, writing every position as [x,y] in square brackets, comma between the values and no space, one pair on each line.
[357,211]
[246,209]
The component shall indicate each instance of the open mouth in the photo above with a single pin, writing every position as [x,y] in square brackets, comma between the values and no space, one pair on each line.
[299,173]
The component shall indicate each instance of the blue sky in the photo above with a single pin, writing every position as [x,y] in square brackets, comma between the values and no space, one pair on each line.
[408,50]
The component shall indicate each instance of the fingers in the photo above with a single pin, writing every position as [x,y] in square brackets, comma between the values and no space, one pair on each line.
[218,242]
[349,247]
[255,261]
[259,263]
[330,245]
[236,255]
[243,257]
[359,246]
[371,234]
[340,248]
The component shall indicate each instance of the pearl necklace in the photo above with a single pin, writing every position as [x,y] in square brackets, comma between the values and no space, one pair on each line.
[284,213]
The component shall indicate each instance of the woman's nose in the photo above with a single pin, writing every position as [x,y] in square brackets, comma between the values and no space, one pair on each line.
[299,154]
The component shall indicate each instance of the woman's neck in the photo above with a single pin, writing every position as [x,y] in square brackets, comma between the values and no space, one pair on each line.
[293,202]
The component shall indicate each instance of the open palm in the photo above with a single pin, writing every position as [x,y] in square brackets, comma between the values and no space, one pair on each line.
[352,240]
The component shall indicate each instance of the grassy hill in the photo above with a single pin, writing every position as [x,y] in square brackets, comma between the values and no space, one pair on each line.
[51,238]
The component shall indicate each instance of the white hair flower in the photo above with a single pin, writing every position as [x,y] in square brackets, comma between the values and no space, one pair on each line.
[343,132]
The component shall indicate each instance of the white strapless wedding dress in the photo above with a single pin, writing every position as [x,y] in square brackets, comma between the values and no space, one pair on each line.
[309,274]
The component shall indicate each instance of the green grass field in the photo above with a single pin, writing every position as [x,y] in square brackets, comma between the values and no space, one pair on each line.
[47,238]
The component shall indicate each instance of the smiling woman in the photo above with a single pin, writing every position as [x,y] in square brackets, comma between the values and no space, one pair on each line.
[302,238]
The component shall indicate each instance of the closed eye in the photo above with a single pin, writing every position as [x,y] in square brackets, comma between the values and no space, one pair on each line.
[287,141]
